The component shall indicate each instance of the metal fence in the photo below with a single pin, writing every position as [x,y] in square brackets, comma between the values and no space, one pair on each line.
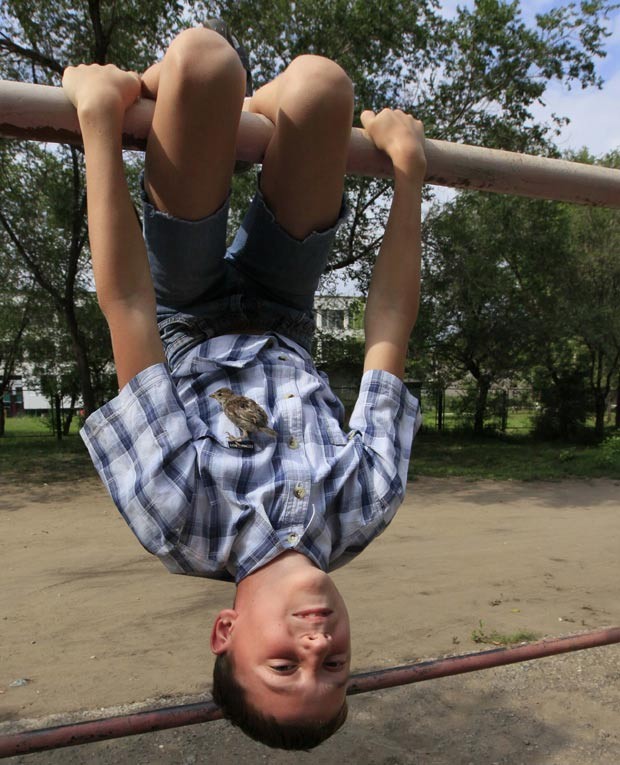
[508,410]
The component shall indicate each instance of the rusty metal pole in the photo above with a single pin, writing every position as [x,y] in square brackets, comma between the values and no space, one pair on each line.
[474,662]
[190,714]
[42,113]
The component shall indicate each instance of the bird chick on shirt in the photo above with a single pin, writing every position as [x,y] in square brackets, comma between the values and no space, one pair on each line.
[243,412]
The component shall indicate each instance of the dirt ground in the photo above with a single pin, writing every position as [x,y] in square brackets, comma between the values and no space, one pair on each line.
[91,621]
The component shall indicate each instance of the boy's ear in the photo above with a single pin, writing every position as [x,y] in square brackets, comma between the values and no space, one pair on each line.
[222,630]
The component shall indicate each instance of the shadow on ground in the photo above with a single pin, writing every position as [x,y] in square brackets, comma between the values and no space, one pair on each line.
[431,724]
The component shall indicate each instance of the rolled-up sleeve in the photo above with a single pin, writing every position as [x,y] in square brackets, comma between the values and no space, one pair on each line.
[142,448]
[386,418]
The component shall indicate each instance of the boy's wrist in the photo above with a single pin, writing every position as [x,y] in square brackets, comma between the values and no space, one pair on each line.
[410,175]
[101,105]
[409,164]
[105,114]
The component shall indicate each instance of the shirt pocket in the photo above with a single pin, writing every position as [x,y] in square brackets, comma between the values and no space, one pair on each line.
[335,434]
[213,434]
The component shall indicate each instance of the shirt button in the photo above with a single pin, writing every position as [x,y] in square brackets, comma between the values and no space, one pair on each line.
[299,491]
[292,538]
[293,443]
[282,358]
[290,395]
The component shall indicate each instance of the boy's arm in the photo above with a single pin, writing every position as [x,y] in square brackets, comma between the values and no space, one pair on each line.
[101,95]
[394,293]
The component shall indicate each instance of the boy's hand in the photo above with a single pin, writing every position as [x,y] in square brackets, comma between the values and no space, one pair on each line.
[400,136]
[105,87]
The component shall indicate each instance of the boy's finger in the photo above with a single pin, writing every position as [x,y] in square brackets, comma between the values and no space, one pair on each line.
[367,116]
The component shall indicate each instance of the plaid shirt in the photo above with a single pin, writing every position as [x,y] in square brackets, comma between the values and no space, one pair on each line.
[206,509]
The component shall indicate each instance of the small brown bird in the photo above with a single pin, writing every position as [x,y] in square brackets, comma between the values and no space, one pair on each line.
[243,412]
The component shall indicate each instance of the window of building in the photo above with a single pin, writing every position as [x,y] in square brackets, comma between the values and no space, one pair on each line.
[332,319]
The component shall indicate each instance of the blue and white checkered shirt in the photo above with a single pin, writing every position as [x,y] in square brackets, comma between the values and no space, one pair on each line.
[161,448]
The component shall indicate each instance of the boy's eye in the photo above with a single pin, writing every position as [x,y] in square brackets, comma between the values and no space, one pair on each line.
[283,667]
[334,664]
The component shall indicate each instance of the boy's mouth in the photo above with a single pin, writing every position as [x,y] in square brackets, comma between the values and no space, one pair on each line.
[314,613]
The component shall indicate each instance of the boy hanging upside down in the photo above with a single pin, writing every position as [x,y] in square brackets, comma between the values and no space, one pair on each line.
[225,450]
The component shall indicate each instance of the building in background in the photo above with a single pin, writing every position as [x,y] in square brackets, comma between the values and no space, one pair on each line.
[339,344]
[340,316]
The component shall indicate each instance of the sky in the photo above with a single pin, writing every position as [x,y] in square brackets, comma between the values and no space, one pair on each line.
[594,114]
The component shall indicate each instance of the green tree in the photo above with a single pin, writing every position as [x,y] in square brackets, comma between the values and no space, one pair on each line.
[15,317]
[42,196]
[474,319]
[49,364]
[471,78]
[528,288]
[593,295]
[571,287]
[474,77]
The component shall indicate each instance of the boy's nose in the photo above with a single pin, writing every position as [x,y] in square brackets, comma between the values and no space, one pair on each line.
[317,642]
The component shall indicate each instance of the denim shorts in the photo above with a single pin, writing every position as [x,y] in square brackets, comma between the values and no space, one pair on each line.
[265,281]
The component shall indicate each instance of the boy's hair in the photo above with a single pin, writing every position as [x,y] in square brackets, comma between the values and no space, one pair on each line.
[231,698]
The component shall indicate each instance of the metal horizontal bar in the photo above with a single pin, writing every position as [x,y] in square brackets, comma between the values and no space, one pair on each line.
[43,113]
[31,741]
[474,662]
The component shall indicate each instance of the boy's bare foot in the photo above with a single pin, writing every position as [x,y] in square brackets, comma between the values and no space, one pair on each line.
[92,86]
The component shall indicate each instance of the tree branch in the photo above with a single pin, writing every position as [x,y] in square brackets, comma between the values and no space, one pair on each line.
[101,39]
[12,354]
[76,226]
[30,54]
[30,261]
[354,258]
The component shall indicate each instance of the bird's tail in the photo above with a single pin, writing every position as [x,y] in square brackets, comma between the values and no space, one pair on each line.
[269,431]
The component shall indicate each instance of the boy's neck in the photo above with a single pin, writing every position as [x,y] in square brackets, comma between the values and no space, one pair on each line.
[289,563]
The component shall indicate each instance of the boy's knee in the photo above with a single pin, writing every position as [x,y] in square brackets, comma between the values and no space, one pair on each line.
[200,56]
[320,82]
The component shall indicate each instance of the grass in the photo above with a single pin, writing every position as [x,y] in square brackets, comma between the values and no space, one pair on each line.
[26,425]
[30,453]
[520,458]
[517,420]
[494,637]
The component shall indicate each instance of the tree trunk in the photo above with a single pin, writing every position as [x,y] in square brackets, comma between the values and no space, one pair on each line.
[504,415]
[618,403]
[481,404]
[81,357]
[2,418]
[600,401]
[440,409]
[69,418]
[57,417]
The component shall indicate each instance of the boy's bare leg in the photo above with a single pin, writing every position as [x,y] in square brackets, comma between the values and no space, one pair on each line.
[311,106]
[200,87]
